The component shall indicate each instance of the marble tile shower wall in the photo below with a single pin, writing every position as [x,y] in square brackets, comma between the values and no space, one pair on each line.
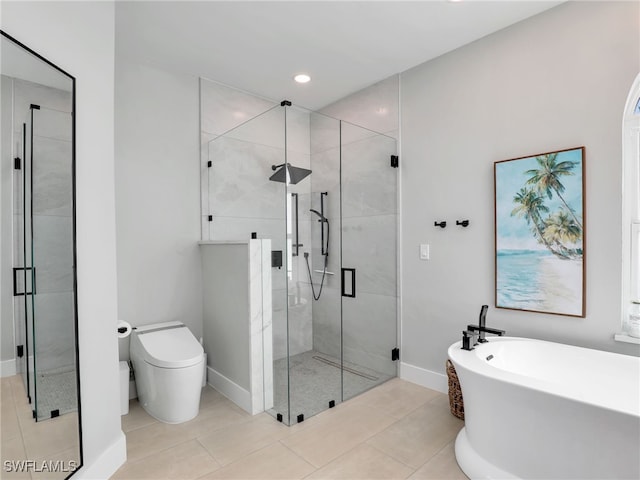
[375,108]
[52,219]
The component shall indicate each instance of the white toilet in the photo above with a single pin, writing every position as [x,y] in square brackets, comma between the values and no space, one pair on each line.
[168,363]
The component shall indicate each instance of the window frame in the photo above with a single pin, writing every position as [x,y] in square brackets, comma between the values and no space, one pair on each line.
[631,201]
[634,287]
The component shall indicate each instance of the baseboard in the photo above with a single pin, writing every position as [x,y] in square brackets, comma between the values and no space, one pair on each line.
[106,464]
[229,389]
[426,378]
[8,368]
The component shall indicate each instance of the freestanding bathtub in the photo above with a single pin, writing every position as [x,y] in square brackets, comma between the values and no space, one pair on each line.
[543,410]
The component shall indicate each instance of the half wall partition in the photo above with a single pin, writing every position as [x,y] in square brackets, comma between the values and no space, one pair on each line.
[325,192]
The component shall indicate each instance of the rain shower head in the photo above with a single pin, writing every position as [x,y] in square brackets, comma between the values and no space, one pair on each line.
[295,174]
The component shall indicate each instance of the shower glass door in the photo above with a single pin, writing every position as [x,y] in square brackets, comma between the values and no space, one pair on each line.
[51,256]
[43,254]
[22,278]
[369,266]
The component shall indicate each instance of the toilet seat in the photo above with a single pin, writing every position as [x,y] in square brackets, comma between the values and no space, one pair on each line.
[170,345]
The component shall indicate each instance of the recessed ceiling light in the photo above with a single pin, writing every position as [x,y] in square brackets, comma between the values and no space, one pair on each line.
[302,78]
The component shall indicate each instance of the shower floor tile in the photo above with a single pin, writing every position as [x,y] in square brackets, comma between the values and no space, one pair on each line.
[56,391]
[315,380]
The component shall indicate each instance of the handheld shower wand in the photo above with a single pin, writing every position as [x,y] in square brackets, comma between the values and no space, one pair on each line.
[325,254]
[322,217]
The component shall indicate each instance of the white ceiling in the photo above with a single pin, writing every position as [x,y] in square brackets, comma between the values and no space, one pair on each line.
[344,45]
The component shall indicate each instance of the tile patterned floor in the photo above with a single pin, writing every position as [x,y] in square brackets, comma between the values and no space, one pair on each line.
[397,430]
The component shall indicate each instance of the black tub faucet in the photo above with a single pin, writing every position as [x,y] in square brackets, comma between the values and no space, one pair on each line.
[482,328]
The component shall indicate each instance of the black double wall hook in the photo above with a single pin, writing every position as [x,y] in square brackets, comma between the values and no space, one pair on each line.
[464,223]
[440,224]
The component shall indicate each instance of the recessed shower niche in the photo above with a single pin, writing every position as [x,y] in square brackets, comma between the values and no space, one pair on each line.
[324,192]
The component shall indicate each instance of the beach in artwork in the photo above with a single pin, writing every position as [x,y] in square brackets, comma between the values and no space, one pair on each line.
[539,233]
[537,280]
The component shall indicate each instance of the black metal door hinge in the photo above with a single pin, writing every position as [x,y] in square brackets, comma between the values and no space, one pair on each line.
[20,351]
[210,218]
[209,164]
[17,163]
[395,354]
[395,161]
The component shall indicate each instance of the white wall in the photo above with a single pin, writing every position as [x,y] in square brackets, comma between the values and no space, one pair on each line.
[79,37]
[557,80]
[157,175]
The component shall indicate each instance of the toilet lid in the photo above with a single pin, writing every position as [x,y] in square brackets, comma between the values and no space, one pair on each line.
[171,348]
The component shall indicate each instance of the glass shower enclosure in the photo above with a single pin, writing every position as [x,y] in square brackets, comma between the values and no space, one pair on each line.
[325,192]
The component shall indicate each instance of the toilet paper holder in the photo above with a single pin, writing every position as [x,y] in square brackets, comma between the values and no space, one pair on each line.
[124,329]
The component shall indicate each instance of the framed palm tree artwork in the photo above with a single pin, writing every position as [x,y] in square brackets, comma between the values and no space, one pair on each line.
[540,233]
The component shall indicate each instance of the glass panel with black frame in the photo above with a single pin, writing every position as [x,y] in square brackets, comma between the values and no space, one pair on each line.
[38,100]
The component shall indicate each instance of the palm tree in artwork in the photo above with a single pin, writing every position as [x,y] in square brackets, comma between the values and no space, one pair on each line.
[546,178]
[560,229]
[530,205]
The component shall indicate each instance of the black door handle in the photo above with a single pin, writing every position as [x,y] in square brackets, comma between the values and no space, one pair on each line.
[15,280]
[353,282]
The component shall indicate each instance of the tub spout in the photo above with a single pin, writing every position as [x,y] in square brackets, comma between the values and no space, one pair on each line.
[494,331]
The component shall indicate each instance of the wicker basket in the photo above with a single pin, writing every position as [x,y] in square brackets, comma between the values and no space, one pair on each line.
[455,392]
